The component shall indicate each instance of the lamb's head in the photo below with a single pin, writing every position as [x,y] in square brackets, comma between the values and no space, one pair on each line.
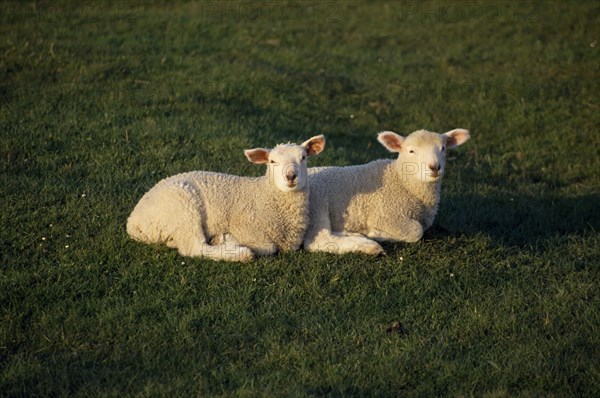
[422,155]
[287,162]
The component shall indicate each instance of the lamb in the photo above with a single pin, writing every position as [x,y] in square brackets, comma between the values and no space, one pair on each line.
[352,208]
[227,217]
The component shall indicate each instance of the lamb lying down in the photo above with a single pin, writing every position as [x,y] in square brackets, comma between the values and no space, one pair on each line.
[386,200]
[227,217]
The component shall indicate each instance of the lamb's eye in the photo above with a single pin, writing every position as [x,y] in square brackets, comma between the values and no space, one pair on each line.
[303,157]
[443,148]
[271,161]
[411,151]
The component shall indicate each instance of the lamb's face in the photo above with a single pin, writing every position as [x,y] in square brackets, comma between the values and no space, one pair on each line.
[422,155]
[286,163]
[287,167]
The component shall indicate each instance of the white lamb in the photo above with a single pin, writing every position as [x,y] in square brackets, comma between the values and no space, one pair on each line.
[227,217]
[386,200]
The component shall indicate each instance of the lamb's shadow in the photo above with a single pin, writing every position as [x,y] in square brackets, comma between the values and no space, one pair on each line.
[517,220]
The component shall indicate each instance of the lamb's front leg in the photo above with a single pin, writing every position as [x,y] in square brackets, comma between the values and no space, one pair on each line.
[341,242]
[320,238]
[405,230]
[225,251]
[258,248]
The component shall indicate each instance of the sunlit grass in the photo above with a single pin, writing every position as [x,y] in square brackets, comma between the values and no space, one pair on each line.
[100,101]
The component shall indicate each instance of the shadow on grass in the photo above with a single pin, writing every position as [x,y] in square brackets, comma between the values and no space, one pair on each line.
[517,220]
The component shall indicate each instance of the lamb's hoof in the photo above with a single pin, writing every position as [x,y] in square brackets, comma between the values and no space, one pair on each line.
[244,255]
[378,251]
[370,247]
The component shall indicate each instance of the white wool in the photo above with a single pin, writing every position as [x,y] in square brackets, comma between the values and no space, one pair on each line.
[351,208]
[228,217]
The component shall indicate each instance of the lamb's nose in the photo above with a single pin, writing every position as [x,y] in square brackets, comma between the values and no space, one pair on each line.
[291,177]
[434,166]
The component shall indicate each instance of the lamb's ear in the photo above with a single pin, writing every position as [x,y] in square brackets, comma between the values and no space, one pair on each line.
[314,145]
[390,140]
[257,155]
[456,137]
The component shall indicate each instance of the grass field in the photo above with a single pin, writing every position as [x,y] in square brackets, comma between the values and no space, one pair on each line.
[100,100]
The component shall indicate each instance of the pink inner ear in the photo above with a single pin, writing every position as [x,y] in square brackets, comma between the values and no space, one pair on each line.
[258,156]
[450,141]
[457,137]
[314,147]
[391,141]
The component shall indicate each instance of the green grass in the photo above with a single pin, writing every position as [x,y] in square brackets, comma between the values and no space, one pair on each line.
[99,100]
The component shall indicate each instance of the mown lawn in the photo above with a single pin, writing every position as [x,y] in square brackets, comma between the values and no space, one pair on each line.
[100,100]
